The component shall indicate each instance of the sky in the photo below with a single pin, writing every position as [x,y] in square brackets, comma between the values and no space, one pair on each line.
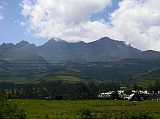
[137,22]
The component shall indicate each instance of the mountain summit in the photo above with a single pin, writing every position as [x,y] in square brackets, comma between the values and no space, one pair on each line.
[104,49]
[57,50]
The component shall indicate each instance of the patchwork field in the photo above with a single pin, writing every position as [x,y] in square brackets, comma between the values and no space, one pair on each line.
[90,109]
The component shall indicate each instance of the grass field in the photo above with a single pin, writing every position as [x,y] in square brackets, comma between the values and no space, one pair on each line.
[100,109]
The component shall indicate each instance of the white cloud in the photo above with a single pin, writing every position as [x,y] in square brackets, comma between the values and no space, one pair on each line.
[135,21]
[138,22]
[67,19]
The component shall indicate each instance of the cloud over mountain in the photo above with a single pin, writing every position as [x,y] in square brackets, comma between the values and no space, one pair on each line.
[135,21]
[138,22]
[67,19]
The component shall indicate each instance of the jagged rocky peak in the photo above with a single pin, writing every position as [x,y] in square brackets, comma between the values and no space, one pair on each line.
[7,45]
[23,43]
[105,39]
[54,39]
[110,40]
[58,50]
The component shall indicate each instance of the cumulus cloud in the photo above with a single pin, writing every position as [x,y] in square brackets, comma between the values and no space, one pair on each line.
[134,21]
[137,22]
[67,19]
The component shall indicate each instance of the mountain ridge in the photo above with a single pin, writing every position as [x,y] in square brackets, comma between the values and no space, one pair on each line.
[57,50]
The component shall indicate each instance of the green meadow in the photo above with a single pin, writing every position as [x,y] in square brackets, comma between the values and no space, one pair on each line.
[90,109]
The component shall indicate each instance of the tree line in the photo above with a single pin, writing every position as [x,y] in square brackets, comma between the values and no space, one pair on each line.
[72,91]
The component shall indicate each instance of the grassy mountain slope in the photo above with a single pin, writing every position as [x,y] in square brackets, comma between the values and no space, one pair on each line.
[148,78]
[95,71]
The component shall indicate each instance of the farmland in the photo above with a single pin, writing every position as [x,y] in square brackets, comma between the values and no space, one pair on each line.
[90,109]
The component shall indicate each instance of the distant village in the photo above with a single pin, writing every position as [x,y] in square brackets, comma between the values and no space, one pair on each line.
[131,95]
[122,94]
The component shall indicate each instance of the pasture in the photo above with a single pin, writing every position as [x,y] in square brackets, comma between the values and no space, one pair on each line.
[90,109]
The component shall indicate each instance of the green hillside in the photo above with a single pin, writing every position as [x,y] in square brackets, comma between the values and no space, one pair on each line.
[71,71]
[147,79]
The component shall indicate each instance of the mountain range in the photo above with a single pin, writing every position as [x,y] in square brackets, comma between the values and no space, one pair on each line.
[57,50]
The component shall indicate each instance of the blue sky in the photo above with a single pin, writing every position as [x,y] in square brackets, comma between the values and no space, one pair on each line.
[12,31]
[10,28]
[133,21]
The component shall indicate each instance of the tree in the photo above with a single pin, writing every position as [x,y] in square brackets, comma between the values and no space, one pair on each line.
[156,86]
[135,87]
[9,110]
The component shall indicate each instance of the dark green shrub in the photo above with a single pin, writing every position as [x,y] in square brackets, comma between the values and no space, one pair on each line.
[9,110]
[85,114]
